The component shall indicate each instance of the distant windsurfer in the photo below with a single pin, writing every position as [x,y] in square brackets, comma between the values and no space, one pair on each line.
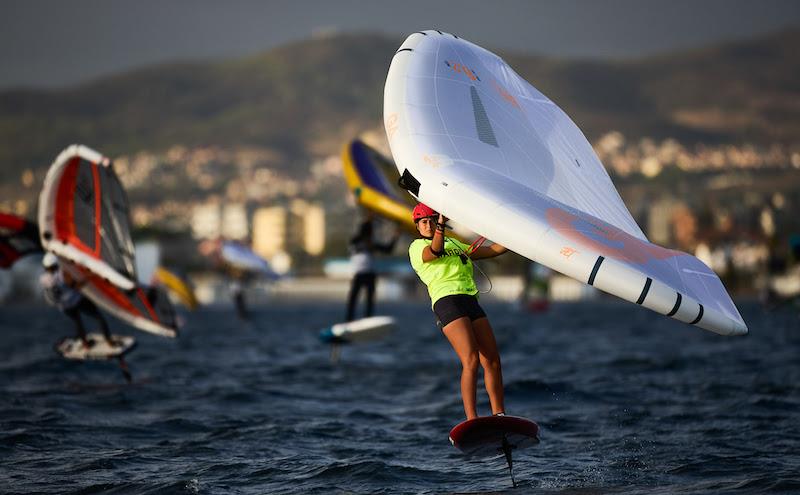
[445,266]
[61,291]
[362,247]
[238,280]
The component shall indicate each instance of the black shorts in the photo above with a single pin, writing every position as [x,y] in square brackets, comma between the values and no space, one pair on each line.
[451,308]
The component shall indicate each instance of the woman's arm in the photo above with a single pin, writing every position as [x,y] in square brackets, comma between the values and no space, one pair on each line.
[436,248]
[488,252]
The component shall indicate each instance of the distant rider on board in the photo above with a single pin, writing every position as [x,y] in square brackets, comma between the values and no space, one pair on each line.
[445,266]
[61,291]
[362,246]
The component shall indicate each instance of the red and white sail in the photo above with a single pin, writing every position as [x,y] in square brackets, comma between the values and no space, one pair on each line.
[84,219]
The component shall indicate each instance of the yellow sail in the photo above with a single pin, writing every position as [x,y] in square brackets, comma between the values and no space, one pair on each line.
[367,174]
[176,285]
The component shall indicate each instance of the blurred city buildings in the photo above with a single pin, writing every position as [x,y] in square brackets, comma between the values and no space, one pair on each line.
[731,205]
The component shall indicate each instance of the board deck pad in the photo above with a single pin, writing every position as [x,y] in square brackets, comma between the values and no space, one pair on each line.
[486,435]
[74,348]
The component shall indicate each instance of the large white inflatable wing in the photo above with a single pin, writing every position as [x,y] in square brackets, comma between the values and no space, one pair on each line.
[474,140]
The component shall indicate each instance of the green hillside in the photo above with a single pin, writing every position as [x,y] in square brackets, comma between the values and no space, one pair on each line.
[304,99]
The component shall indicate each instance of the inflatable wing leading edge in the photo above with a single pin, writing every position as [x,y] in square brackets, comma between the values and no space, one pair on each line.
[144,307]
[474,140]
[84,219]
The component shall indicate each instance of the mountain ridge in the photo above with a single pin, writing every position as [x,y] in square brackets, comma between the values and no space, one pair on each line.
[305,98]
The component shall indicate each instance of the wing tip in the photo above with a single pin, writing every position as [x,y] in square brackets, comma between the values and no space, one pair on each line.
[739,328]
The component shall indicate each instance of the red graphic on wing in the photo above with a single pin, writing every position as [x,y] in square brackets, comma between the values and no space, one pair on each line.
[605,239]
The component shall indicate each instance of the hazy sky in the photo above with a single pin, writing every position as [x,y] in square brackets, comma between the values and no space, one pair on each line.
[62,42]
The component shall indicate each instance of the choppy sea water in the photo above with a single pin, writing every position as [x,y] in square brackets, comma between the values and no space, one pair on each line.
[628,402]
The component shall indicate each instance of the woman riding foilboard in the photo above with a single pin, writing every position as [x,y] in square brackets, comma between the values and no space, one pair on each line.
[445,266]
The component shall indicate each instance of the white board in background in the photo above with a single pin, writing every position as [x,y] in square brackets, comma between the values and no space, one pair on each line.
[363,330]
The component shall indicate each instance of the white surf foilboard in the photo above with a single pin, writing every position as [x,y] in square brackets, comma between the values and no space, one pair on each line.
[363,330]
[99,349]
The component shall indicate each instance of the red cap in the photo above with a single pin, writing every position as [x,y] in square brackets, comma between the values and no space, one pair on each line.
[422,211]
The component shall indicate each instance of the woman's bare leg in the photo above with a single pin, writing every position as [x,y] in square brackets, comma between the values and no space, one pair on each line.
[461,336]
[490,361]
